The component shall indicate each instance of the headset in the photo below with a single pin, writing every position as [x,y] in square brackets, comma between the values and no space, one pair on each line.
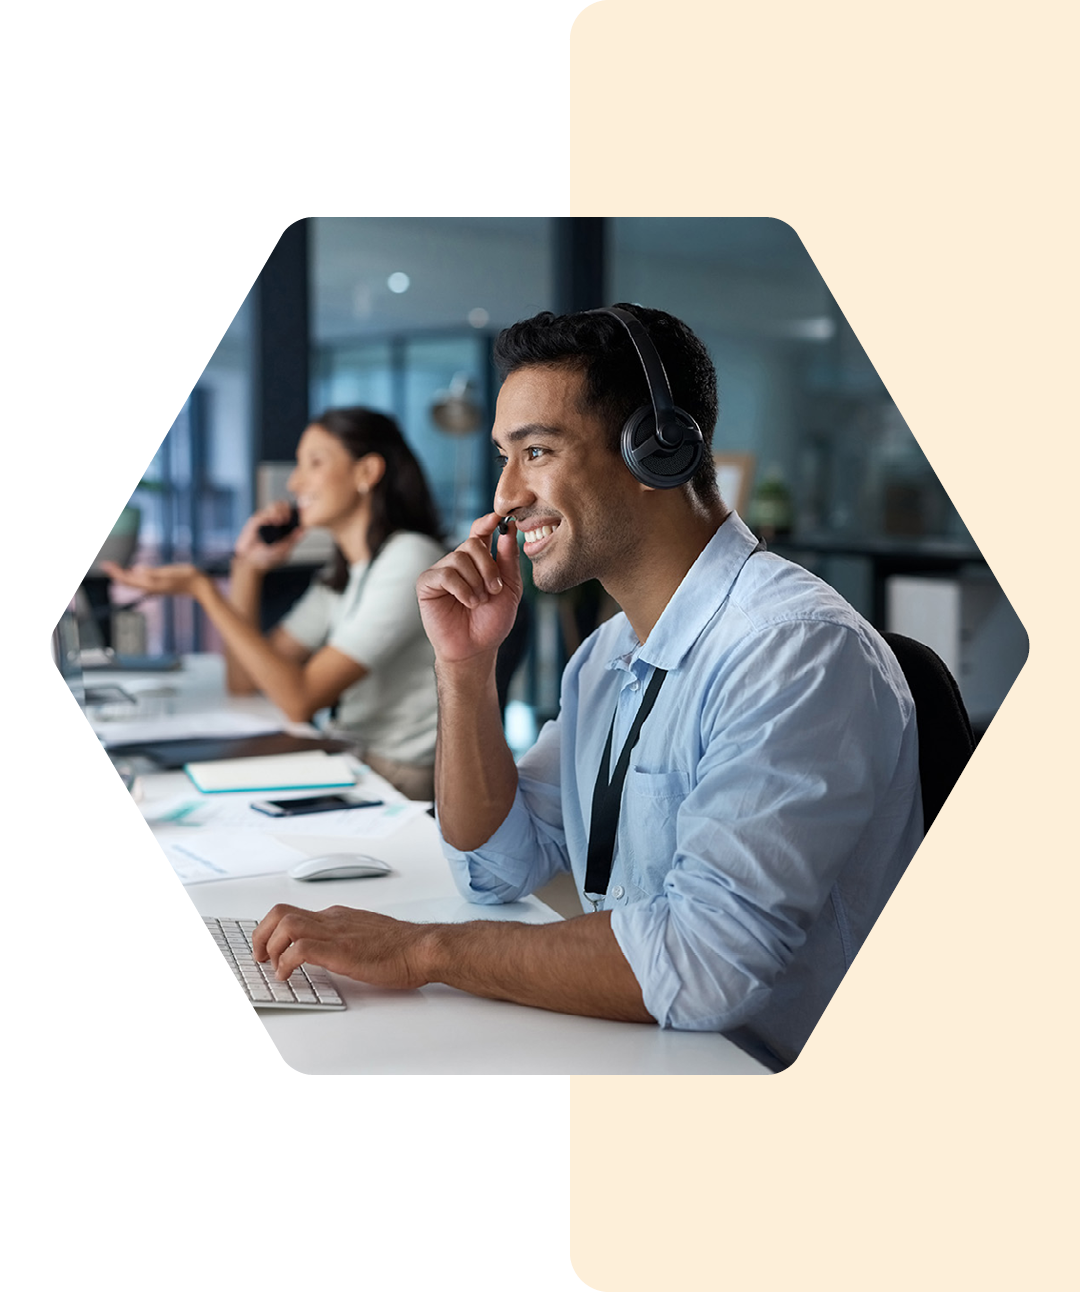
[661,443]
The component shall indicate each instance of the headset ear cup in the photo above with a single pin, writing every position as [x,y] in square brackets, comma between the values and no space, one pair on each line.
[653,463]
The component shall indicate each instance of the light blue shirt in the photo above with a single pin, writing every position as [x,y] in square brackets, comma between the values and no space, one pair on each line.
[771,805]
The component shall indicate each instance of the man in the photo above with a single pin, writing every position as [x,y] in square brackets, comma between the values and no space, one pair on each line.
[771,797]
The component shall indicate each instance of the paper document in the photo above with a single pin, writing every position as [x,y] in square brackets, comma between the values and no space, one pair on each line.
[181,726]
[311,769]
[201,855]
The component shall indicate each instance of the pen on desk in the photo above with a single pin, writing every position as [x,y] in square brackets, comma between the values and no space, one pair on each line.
[177,815]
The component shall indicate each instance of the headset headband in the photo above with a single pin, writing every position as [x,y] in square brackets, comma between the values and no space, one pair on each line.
[667,428]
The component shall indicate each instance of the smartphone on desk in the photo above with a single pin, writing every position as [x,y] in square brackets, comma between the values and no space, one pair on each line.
[315,803]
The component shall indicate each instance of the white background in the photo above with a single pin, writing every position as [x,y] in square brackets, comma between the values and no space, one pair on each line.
[154,155]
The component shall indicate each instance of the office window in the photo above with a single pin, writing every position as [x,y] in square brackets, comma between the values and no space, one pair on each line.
[797,390]
[381,277]
[196,491]
[403,314]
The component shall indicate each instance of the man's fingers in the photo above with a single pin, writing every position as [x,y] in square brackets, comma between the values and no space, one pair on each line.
[445,581]
[458,575]
[485,526]
[359,944]
[287,936]
[291,927]
[305,951]
[265,928]
[505,561]
[478,548]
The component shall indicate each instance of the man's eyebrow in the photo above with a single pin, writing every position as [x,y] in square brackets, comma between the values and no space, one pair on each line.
[529,431]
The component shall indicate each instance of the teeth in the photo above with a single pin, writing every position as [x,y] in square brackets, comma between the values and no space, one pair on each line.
[535,535]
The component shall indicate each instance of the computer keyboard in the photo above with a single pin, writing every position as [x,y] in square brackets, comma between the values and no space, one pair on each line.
[306,988]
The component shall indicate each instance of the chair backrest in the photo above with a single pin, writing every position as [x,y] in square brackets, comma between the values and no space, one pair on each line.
[946,740]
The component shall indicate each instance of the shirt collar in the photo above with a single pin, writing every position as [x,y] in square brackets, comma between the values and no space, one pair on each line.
[696,599]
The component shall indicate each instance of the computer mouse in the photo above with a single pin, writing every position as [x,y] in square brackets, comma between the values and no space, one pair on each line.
[340,865]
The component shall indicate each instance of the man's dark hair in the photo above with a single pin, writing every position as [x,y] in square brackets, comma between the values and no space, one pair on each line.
[599,347]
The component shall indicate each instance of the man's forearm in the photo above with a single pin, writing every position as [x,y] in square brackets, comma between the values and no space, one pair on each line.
[573,967]
[475,776]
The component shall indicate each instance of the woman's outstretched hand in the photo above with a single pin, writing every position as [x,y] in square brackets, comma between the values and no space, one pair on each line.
[168,580]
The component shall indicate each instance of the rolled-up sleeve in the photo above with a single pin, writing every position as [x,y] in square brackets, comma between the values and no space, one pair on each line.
[797,760]
[529,847]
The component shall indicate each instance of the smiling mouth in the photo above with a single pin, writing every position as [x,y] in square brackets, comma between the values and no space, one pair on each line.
[536,539]
[535,535]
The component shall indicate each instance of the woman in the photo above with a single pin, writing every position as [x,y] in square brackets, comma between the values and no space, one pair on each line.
[354,639]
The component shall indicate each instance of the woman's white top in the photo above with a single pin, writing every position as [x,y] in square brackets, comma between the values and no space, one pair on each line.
[376,621]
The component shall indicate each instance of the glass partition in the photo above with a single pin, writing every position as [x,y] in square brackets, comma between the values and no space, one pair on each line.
[797,391]
[415,378]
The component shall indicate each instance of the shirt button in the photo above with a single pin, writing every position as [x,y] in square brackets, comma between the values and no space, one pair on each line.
[617,891]
[634,686]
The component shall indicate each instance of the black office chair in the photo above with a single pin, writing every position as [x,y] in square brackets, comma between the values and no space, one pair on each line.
[946,740]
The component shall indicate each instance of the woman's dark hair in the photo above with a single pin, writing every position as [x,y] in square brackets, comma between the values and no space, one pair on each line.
[598,346]
[400,500]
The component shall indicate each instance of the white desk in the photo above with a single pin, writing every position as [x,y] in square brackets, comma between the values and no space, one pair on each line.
[436,1029]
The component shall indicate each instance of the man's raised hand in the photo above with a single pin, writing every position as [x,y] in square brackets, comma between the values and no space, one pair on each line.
[469,600]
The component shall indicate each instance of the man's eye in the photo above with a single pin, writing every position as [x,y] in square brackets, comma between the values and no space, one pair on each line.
[533,452]
[500,460]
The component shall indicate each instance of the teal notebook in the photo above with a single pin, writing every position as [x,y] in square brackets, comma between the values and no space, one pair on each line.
[312,769]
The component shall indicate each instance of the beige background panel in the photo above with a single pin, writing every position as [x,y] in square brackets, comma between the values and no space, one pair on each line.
[923,156]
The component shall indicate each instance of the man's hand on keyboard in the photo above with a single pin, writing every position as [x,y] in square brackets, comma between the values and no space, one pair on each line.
[358,944]
[573,966]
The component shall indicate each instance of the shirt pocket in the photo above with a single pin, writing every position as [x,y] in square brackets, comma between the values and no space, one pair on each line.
[647,826]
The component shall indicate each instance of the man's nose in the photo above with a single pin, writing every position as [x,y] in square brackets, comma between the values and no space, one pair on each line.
[511,491]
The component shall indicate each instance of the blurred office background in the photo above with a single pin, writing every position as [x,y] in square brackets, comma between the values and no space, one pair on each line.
[401,314]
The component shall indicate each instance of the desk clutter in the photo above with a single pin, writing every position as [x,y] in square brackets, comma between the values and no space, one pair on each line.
[214,825]
[221,835]
[233,757]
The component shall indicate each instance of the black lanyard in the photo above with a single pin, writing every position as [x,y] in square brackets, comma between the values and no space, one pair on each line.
[607,796]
